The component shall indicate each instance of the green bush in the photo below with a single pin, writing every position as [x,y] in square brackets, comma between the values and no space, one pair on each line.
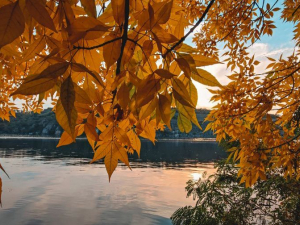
[220,199]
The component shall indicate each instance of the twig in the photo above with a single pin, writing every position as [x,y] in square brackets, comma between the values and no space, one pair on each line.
[97,46]
[191,30]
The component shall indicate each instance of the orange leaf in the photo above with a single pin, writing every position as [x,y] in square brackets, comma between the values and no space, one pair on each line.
[90,127]
[118,7]
[12,23]
[38,11]
[164,73]
[111,51]
[39,83]
[90,7]
[66,113]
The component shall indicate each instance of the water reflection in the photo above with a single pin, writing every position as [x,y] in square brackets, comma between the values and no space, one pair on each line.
[59,186]
[163,154]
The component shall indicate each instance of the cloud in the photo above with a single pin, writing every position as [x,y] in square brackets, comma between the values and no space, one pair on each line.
[220,71]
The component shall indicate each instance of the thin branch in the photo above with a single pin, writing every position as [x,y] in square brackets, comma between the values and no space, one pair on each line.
[298,7]
[280,145]
[97,46]
[124,37]
[192,29]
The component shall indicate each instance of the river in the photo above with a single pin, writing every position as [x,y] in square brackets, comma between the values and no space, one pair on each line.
[54,186]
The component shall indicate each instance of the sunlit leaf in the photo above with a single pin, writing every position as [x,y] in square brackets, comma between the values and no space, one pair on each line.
[66,114]
[39,83]
[206,78]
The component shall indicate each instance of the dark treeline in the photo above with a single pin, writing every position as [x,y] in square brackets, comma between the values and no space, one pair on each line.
[44,124]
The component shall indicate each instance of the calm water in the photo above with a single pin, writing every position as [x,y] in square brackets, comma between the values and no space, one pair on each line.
[58,186]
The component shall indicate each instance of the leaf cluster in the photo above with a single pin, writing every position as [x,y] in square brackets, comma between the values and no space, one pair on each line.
[120,67]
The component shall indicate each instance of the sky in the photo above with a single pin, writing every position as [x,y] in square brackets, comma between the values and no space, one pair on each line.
[280,43]
[269,46]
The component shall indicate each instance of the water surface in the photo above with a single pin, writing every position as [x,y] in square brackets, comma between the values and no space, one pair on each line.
[50,186]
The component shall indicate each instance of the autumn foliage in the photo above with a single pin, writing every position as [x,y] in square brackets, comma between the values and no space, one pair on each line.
[124,66]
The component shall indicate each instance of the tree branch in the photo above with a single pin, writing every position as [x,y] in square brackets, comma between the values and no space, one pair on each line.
[191,30]
[124,37]
[124,40]
[97,46]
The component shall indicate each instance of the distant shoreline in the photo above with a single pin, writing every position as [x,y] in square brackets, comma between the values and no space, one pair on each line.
[83,138]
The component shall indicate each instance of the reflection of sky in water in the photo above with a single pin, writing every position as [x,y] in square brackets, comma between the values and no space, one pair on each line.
[55,188]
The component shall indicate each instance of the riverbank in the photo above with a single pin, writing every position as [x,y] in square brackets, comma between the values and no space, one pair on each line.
[45,125]
[83,138]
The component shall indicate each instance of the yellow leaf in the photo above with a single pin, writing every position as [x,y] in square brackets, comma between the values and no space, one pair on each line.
[184,124]
[206,78]
[181,94]
[39,83]
[38,11]
[185,65]
[108,133]
[129,48]
[149,131]
[111,162]
[82,68]
[162,12]
[135,141]
[122,155]
[81,96]
[189,113]
[201,60]
[148,109]
[90,7]
[123,96]
[102,150]
[118,7]
[122,136]
[65,139]
[66,113]
[164,73]
[193,92]
[146,91]
[115,153]
[107,15]
[164,110]
[186,48]
[86,27]
[90,127]
[163,36]
[111,51]
[12,23]
[34,49]
[36,86]
[147,50]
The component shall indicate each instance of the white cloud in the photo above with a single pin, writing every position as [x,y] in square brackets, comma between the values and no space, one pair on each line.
[220,71]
